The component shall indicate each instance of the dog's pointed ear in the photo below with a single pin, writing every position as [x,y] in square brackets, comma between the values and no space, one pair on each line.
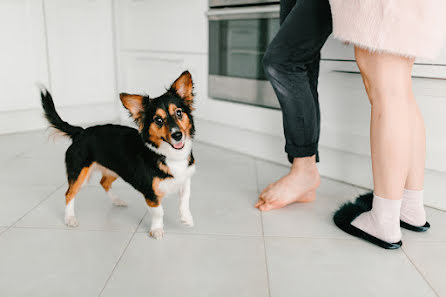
[184,87]
[134,104]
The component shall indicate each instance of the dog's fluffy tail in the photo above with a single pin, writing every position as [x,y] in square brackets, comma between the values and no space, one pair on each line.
[53,117]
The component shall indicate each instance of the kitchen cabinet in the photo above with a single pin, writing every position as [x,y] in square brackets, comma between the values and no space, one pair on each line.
[81,51]
[164,26]
[23,57]
[342,59]
[67,46]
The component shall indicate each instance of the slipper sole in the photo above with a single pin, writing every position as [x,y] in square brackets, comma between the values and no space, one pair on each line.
[410,227]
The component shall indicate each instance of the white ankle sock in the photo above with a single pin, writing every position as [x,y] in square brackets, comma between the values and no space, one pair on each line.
[383,221]
[412,208]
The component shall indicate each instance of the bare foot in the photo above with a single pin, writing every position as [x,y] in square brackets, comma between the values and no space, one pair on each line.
[299,185]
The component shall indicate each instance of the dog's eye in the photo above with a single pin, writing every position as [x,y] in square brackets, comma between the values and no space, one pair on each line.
[159,121]
[179,113]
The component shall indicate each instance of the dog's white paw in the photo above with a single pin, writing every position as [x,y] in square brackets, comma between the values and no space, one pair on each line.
[157,233]
[119,202]
[187,220]
[71,221]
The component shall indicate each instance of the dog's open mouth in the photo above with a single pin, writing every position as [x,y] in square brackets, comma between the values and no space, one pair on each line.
[178,146]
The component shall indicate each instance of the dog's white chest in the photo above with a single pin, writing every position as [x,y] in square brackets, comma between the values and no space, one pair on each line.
[181,172]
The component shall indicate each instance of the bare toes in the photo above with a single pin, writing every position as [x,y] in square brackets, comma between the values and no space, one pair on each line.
[266,207]
[259,202]
[266,189]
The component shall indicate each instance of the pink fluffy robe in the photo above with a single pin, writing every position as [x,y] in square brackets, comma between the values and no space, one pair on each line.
[411,28]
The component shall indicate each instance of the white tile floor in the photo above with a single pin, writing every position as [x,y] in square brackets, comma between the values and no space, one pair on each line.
[232,251]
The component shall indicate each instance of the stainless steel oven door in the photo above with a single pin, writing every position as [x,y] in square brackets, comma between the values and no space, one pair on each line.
[238,38]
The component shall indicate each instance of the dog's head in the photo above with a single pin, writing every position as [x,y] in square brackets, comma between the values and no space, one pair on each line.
[165,123]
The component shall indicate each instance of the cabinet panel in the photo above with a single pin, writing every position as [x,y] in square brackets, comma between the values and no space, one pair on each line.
[23,57]
[168,25]
[337,50]
[148,75]
[81,56]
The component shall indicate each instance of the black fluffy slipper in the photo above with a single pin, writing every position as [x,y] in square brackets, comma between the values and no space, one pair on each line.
[349,211]
[366,201]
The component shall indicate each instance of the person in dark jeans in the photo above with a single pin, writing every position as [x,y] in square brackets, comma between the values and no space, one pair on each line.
[291,64]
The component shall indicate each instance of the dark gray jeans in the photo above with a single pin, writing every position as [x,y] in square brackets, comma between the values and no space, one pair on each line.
[291,64]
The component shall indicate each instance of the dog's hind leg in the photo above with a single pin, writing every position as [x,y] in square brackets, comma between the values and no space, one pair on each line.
[74,185]
[106,183]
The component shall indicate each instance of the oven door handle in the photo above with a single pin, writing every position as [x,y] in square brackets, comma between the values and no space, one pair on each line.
[255,12]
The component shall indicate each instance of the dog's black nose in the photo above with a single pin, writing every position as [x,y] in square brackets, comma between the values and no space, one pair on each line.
[177,136]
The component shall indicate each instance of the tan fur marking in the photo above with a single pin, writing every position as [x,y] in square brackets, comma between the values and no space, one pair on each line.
[155,186]
[185,124]
[184,87]
[159,194]
[74,187]
[152,204]
[133,103]
[106,181]
[163,167]
[172,107]
[161,113]
[157,134]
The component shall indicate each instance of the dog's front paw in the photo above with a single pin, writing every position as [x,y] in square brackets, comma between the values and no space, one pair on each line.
[71,221]
[119,202]
[187,219]
[157,233]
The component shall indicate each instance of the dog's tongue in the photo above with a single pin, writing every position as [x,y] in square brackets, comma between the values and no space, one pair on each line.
[178,145]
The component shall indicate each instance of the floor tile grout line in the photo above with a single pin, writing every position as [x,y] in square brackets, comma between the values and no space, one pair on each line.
[121,255]
[34,207]
[72,229]
[263,233]
[419,271]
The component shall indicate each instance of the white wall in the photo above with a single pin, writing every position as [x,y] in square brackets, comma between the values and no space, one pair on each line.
[156,47]
[66,45]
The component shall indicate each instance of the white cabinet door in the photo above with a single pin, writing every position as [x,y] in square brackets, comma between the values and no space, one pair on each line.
[23,57]
[342,58]
[80,51]
[168,25]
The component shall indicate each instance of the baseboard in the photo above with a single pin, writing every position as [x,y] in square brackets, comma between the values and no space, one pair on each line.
[32,119]
[355,169]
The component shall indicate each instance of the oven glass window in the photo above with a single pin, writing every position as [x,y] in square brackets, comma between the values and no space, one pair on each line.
[237,46]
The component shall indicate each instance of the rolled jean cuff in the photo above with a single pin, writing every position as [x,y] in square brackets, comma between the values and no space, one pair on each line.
[302,151]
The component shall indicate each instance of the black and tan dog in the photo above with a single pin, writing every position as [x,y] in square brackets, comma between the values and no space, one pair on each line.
[156,159]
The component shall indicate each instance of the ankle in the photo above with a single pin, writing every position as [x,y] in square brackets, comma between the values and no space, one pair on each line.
[412,208]
[382,221]
[304,165]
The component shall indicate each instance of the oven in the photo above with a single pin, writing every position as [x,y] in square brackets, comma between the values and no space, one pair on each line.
[239,33]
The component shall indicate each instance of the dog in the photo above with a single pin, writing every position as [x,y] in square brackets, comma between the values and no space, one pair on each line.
[156,159]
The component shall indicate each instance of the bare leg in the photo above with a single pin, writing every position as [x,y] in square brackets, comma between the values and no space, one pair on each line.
[388,83]
[415,178]
[299,185]
[387,79]
[412,208]
[185,214]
